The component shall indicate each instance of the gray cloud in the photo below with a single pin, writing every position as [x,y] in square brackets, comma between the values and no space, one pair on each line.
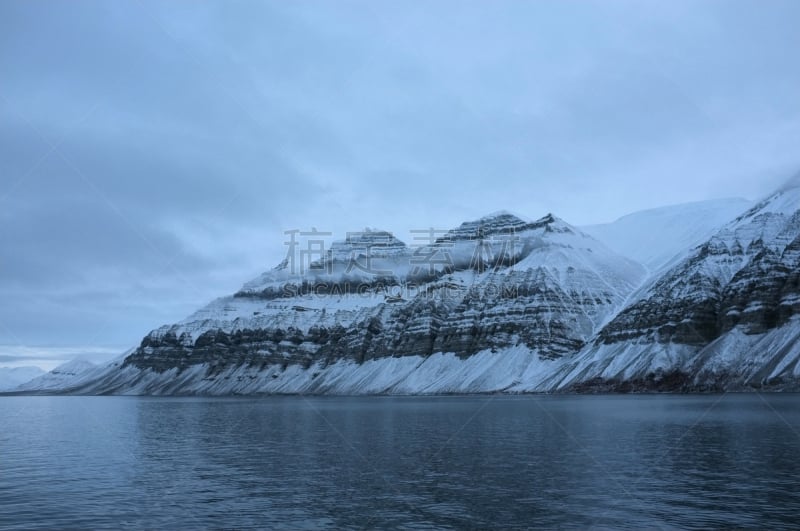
[190,136]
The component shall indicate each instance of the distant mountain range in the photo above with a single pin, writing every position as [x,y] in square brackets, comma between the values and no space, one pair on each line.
[696,297]
[59,378]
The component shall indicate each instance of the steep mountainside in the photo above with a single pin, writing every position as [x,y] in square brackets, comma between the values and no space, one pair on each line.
[723,317]
[541,289]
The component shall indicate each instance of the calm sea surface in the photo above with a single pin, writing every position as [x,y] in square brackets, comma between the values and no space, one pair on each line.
[418,462]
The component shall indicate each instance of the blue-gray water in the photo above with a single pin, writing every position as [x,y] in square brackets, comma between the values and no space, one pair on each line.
[444,462]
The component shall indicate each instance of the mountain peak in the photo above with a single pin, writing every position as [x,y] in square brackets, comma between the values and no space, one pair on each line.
[500,222]
[548,219]
[369,237]
[504,222]
[500,214]
[553,223]
[372,242]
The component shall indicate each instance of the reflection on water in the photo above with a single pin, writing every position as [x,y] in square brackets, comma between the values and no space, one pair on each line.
[414,462]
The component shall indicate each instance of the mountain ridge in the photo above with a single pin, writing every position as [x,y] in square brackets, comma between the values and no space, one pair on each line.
[499,303]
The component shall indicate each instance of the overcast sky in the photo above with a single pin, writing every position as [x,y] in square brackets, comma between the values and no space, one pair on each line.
[152,154]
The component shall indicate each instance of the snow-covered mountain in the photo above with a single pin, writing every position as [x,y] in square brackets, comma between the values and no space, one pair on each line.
[724,317]
[63,376]
[657,236]
[374,315]
[11,377]
[500,304]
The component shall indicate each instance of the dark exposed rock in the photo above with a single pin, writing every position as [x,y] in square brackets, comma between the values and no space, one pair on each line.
[674,381]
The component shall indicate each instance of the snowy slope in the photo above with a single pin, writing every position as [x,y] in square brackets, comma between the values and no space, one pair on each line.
[11,377]
[61,377]
[654,237]
[486,371]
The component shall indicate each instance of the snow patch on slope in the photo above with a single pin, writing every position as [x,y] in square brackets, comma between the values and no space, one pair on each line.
[654,237]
